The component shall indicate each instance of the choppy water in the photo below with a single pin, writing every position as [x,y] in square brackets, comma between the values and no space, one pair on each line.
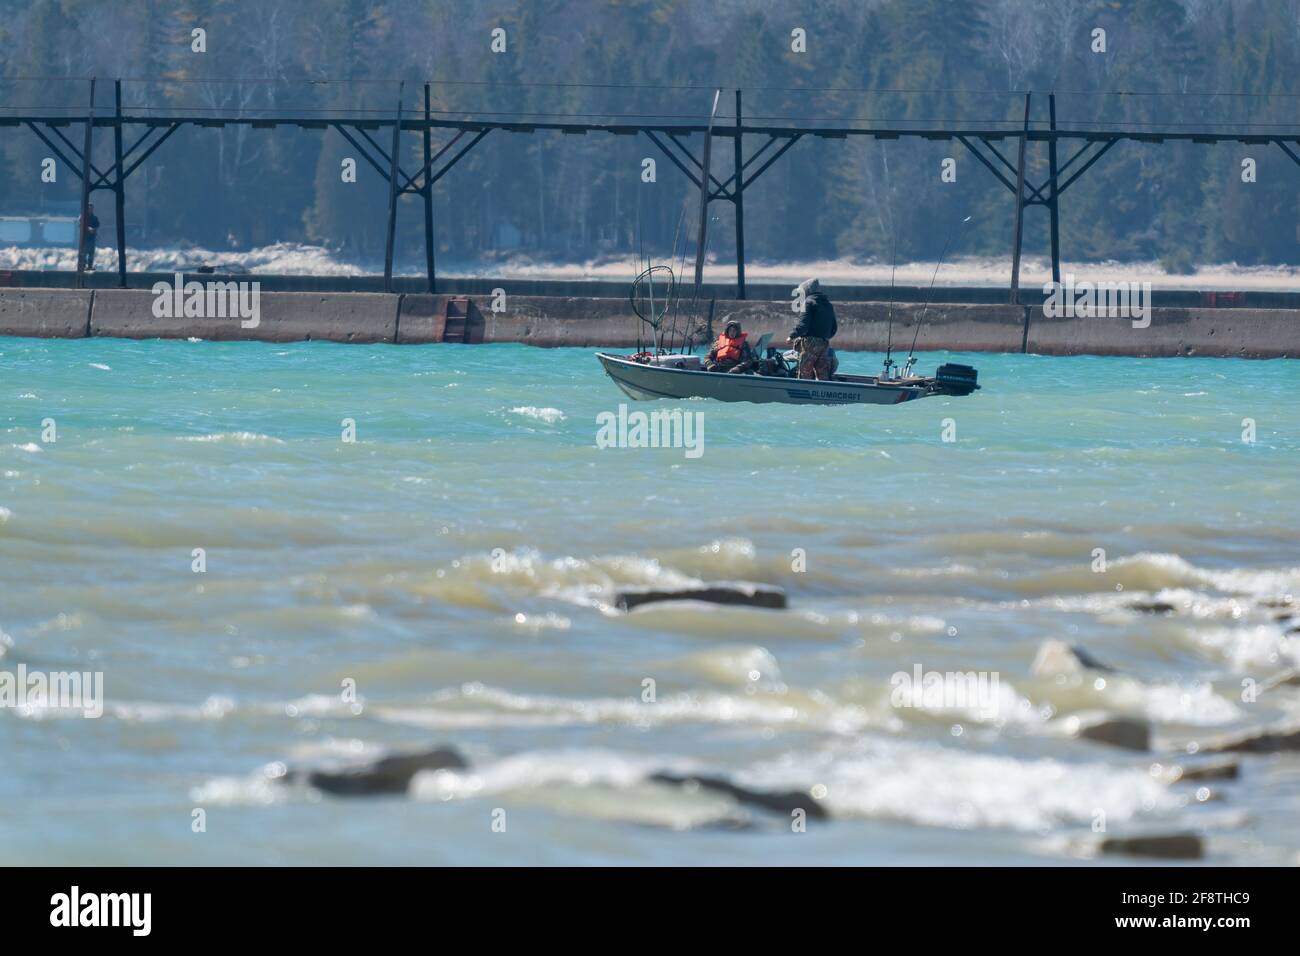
[458,559]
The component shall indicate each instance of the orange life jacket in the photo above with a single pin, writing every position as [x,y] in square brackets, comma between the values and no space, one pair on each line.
[730,350]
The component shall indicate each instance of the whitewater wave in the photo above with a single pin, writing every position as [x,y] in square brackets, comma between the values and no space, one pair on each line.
[1131,575]
[238,438]
[924,784]
[943,786]
[548,415]
[477,580]
[479,706]
[296,258]
[280,258]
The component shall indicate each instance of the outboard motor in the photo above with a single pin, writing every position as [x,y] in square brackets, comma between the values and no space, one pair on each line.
[953,379]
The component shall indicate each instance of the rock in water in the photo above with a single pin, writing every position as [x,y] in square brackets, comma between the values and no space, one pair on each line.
[1284,679]
[1166,846]
[1123,732]
[1279,740]
[779,801]
[1059,657]
[736,593]
[1152,607]
[387,775]
[1220,770]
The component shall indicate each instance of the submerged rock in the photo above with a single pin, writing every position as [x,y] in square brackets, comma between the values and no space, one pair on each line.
[1059,657]
[1284,679]
[729,825]
[1126,732]
[387,775]
[1279,740]
[1152,607]
[735,593]
[1219,770]
[1165,846]
[782,801]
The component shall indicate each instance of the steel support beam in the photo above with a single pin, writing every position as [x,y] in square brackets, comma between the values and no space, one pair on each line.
[772,159]
[1020,209]
[119,187]
[365,153]
[695,180]
[1085,167]
[446,168]
[738,199]
[426,193]
[720,191]
[82,223]
[1287,149]
[148,152]
[429,161]
[1053,192]
[392,193]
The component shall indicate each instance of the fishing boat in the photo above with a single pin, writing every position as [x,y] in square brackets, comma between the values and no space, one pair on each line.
[645,376]
[657,371]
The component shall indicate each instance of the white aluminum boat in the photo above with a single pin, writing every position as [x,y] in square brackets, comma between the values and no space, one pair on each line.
[644,376]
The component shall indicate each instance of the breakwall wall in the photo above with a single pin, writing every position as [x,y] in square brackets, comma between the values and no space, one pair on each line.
[554,321]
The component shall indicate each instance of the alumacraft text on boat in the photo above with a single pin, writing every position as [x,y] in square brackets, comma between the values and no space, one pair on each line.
[658,429]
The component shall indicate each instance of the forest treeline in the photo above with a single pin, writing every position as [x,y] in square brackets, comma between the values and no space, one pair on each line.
[555,197]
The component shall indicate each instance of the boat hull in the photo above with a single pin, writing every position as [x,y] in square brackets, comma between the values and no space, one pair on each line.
[649,382]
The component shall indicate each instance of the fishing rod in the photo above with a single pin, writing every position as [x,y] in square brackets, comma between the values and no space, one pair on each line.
[681,266]
[889,328]
[911,358]
[702,237]
[672,254]
[636,270]
[649,276]
[695,296]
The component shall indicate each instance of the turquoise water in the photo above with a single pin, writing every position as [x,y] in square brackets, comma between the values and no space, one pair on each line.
[456,562]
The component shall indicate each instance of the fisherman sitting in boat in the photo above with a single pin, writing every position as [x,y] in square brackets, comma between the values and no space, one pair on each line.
[812,336]
[731,353]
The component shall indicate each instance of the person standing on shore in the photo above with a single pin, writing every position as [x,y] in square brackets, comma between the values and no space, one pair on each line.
[812,336]
[90,229]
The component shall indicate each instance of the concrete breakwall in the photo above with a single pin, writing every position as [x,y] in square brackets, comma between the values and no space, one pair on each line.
[360,317]
[364,317]
[45,313]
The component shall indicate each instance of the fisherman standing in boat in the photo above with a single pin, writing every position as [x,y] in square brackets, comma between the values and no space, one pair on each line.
[731,353]
[812,336]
